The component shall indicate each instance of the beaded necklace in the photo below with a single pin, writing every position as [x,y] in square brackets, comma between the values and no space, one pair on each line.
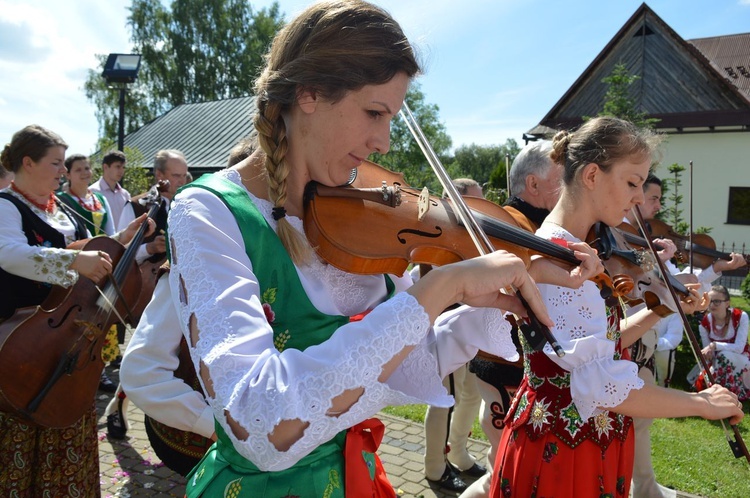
[49,207]
[86,205]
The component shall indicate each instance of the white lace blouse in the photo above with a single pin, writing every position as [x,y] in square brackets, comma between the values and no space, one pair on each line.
[597,380]
[256,384]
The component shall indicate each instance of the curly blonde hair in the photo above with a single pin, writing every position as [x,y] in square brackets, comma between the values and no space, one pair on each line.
[331,48]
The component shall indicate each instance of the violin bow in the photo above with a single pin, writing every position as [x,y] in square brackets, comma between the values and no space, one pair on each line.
[477,234]
[738,444]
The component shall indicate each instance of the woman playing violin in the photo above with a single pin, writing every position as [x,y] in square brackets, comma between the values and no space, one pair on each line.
[724,336]
[34,233]
[293,383]
[568,432]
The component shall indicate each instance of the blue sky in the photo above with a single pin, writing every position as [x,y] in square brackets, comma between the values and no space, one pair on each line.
[493,67]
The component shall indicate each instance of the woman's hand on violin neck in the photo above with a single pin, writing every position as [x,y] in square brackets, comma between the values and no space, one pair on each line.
[721,403]
[94,265]
[695,301]
[547,271]
[590,265]
[478,282]
[668,248]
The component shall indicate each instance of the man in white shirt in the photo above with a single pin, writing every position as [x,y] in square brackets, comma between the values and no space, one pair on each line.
[113,169]
[169,165]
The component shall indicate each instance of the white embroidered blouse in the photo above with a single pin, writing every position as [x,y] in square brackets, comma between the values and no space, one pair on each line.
[259,386]
[597,380]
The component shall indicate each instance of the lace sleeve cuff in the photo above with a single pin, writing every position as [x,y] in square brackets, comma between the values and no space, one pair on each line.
[602,383]
[301,384]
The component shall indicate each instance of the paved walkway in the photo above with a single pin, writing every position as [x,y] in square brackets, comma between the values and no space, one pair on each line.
[130,467]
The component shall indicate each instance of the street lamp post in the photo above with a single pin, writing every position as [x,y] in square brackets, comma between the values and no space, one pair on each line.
[119,71]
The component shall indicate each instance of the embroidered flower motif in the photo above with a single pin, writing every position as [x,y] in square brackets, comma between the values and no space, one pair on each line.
[560,381]
[573,420]
[233,489]
[585,312]
[577,332]
[621,485]
[610,389]
[280,340]
[566,297]
[602,423]
[523,402]
[539,415]
[505,486]
[334,482]
[550,450]
[270,315]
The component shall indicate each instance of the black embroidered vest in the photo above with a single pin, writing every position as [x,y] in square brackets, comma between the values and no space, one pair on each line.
[18,292]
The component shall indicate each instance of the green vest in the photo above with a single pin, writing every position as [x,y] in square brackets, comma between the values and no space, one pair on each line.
[94,220]
[296,324]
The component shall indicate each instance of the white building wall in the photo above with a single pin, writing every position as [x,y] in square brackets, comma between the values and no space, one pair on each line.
[720,160]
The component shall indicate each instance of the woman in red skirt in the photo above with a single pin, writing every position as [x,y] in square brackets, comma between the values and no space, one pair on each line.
[567,433]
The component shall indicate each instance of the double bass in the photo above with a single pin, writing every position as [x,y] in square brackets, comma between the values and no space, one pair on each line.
[50,354]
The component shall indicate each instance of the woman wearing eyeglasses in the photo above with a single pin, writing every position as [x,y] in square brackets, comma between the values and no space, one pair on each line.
[724,336]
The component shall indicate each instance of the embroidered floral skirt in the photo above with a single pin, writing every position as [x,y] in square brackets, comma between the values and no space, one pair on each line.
[40,462]
[548,468]
[731,370]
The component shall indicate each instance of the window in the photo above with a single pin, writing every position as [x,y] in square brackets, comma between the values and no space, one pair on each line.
[739,206]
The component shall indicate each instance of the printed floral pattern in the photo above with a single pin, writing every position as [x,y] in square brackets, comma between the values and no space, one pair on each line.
[54,263]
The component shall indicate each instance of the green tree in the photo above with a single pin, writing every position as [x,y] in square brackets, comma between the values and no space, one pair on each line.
[480,162]
[673,214]
[194,51]
[137,178]
[618,100]
[405,156]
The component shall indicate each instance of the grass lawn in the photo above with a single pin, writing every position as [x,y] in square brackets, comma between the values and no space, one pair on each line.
[689,454]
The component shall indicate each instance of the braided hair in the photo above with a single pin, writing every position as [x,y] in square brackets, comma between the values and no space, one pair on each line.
[331,48]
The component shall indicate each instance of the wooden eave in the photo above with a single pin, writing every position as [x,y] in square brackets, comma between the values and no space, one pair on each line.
[703,94]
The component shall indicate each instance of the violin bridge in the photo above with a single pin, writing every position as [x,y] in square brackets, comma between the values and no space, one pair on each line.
[646,260]
[423,204]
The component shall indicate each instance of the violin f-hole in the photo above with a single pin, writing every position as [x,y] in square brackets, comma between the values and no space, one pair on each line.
[419,233]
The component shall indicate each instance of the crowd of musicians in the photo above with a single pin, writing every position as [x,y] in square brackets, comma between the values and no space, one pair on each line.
[262,352]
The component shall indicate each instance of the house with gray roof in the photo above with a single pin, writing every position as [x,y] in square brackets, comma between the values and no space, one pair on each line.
[700,92]
[205,132]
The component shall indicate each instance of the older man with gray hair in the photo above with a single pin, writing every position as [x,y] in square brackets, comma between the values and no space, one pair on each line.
[534,188]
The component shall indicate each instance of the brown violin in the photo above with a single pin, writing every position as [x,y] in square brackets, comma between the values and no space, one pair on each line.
[150,267]
[703,247]
[403,225]
[626,255]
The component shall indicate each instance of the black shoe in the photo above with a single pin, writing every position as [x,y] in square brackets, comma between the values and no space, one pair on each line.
[116,362]
[450,481]
[106,385]
[116,423]
[475,470]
